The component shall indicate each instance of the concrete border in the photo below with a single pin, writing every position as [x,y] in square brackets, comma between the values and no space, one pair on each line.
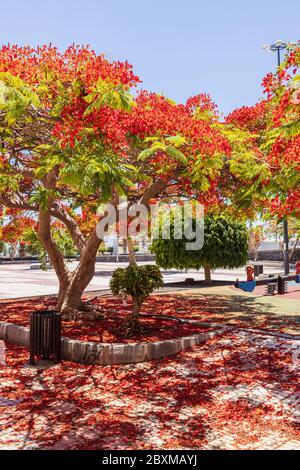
[111,353]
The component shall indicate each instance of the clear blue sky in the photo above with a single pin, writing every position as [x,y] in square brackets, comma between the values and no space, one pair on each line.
[177,47]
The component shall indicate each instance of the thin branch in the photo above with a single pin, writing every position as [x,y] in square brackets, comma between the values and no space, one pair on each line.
[12,173]
[6,201]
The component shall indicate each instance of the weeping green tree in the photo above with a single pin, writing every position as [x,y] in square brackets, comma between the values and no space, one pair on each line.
[225,246]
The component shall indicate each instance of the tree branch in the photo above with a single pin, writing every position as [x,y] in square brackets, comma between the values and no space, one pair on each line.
[6,201]
[44,232]
[25,173]
[76,234]
[157,187]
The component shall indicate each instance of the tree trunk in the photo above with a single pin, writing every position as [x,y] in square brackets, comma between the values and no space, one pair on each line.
[207,274]
[73,284]
[12,252]
[132,322]
[131,252]
[70,301]
[56,257]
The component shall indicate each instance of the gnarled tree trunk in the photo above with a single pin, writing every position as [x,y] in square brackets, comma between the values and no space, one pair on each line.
[80,278]
[73,284]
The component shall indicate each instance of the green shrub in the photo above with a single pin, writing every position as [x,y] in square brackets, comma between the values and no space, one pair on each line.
[137,282]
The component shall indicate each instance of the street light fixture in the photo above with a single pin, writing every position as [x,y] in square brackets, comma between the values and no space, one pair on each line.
[279,46]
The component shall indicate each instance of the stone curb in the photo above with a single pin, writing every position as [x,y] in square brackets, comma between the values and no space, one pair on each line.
[110,353]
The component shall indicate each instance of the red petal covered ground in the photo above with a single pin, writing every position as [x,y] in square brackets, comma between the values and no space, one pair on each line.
[115,310]
[213,309]
[237,391]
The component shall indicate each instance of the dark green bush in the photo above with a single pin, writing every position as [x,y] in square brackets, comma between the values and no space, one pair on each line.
[225,246]
[137,282]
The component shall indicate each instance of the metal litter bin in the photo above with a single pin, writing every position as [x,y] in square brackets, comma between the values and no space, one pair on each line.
[45,335]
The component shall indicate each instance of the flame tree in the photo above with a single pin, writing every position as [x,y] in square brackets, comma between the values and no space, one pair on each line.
[73,135]
[270,143]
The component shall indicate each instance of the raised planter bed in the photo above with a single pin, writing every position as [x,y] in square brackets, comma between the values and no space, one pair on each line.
[102,341]
[108,330]
[109,354]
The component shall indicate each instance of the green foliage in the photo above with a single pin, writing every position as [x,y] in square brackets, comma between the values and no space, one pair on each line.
[246,165]
[176,140]
[292,129]
[170,147]
[9,183]
[49,159]
[41,197]
[204,170]
[60,236]
[108,94]
[138,282]
[106,249]
[225,246]
[15,97]
[95,167]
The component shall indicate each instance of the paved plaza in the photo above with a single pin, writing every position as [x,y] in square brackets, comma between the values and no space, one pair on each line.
[19,280]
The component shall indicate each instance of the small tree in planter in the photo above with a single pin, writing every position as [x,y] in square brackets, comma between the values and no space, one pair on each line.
[137,282]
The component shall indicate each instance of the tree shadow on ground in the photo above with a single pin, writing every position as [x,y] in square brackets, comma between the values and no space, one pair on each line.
[238,310]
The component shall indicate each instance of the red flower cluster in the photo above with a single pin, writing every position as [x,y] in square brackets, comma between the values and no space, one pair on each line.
[34,65]
[251,118]
[290,205]
[286,153]
[277,142]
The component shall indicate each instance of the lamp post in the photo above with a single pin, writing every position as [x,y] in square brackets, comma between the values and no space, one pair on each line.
[279,46]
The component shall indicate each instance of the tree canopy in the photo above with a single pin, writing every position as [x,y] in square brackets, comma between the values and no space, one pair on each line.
[225,246]
[272,150]
[73,135]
